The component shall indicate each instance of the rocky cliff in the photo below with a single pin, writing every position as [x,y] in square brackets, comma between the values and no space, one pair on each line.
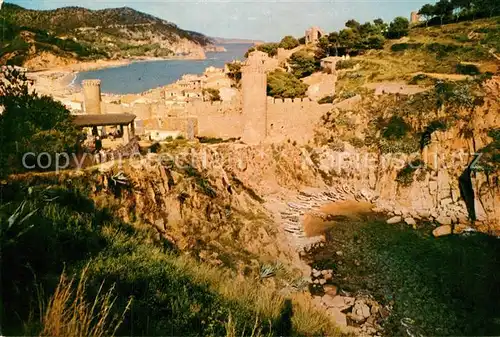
[79,33]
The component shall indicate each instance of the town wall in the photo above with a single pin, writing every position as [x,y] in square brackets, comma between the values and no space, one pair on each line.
[293,119]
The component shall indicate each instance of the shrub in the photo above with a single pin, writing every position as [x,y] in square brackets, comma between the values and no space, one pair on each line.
[212,94]
[467,69]
[405,175]
[395,128]
[284,85]
[303,64]
[398,47]
[346,64]
[326,100]
[289,42]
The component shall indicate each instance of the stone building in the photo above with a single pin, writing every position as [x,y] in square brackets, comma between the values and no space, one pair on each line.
[254,87]
[414,18]
[313,34]
[92,96]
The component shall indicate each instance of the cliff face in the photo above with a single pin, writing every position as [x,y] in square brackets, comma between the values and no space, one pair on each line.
[453,177]
[79,33]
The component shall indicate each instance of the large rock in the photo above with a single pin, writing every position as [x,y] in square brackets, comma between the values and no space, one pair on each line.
[410,221]
[443,220]
[394,220]
[338,316]
[442,231]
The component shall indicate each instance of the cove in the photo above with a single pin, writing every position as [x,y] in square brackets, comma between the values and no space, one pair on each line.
[141,76]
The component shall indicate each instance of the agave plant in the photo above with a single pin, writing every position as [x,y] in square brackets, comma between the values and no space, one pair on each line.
[15,222]
[270,270]
[119,178]
[267,271]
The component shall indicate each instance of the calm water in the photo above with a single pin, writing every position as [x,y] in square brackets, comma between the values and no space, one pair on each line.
[141,76]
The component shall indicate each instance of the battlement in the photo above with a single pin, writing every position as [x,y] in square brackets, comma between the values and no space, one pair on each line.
[272,100]
[91,83]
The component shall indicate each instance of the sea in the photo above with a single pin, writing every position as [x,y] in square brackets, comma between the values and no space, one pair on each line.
[141,76]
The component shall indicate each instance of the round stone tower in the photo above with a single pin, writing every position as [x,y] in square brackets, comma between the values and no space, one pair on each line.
[92,96]
[254,88]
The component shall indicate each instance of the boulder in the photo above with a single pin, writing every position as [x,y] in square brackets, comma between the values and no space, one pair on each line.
[339,318]
[442,231]
[410,222]
[330,290]
[394,220]
[444,220]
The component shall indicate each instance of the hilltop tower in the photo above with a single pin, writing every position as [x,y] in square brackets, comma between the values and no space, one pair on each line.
[313,34]
[254,87]
[414,18]
[92,96]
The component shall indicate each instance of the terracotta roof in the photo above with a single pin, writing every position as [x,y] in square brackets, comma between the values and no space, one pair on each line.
[103,119]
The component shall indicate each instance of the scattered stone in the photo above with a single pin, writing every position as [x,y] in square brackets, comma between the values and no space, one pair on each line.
[442,231]
[324,272]
[444,220]
[459,229]
[361,309]
[338,316]
[322,281]
[446,201]
[328,277]
[330,290]
[316,281]
[394,220]
[410,222]
[355,318]
[317,301]
[317,274]
[339,253]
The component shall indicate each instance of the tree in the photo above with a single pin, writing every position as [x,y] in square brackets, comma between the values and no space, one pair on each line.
[427,11]
[374,42]
[270,48]
[284,85]
[31,123]
[380,27]
[322,48]
[349,38]
[289,42]
[303,64]
[234,71]
[398,28]
[353,24]
[212,94]
[443,9]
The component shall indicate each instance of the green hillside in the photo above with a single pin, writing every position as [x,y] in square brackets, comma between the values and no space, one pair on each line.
[74,32]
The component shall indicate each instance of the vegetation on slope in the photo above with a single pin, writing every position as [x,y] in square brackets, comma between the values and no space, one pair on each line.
[447,286]
[79,32]
[68,223]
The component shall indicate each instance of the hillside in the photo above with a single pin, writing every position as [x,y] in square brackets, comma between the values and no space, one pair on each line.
[76,33]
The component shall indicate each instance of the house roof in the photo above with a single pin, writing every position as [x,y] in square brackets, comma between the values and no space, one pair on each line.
[103,119]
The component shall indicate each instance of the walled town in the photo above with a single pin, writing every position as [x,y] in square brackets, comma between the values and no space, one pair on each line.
[343,183]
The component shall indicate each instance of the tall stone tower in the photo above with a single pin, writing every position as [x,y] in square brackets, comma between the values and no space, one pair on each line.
[254,87]
[414,18]
[92,96]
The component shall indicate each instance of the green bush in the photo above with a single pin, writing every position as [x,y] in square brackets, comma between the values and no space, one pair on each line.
[467,69]
[284,85]
[303,64]
[395,128]
[326,100]
[398,47]
[289,42]
[405,175]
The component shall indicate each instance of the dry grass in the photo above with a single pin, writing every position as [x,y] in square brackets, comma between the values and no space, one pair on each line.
[231,329]
[69,314]
[265,301]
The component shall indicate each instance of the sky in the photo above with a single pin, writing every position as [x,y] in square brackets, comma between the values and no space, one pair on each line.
[252,19]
